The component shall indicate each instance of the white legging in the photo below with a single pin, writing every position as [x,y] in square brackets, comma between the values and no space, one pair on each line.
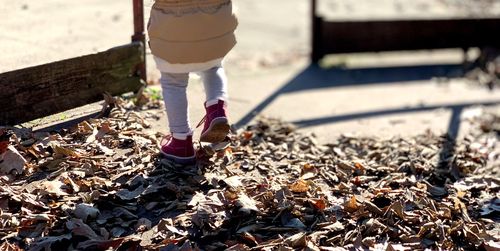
[174,87]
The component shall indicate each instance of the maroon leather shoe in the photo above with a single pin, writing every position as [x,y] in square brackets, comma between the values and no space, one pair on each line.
[216,125]
[180,151]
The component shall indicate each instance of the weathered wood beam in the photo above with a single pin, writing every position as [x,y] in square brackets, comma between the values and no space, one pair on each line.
[35,92]
[399,35]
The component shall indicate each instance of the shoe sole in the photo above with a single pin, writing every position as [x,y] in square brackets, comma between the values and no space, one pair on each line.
[217,132]
[180,160]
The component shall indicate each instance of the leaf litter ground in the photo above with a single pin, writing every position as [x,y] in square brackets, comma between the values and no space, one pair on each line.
[101,185]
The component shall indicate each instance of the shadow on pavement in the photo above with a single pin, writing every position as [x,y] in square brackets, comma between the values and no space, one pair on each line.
[315,77]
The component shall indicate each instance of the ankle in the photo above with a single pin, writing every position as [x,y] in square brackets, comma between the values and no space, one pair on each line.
[213,102]
[182,136]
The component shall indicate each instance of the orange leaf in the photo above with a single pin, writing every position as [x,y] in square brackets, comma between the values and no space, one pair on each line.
[359,166]
[308,167]
[319,204]
[247,135]
[226,152]
[356,181]
[383,190]
[351,205]
[300,186]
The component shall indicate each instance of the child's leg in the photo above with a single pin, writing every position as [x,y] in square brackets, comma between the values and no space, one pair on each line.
[215,82]
[216,125]
[174,87]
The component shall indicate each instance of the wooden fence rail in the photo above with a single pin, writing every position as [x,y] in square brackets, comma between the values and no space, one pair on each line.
[35,92]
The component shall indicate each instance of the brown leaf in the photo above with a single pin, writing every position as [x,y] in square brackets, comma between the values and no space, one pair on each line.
[77,227]
[85,211]
[360,168]
[99,134]
[12,162]
[115,244]
[234,182]
[64,151]
[246,204]
[335,227]
[85,127]
[249,238]
[239,247]
[373,208]
[54,187]
[168,225]
[297,240]
[46,243]
[397,247]
[492,245]
[398,208]
[308,172]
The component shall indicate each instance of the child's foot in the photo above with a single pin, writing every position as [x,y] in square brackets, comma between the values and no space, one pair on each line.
[179,149]
[216,125]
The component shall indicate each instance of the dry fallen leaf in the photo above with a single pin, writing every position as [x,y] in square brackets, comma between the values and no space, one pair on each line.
[492,245]
[246,204]
[54,187]
[85,211]
[64,151]
[319,204]
[12,162]
[351,205]
[299,186]
[308,172]
[101,183]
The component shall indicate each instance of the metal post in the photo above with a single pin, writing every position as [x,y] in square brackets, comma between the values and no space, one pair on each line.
[139,35]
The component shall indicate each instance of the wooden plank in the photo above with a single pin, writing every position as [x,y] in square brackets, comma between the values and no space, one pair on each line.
[399,35]
[43,90]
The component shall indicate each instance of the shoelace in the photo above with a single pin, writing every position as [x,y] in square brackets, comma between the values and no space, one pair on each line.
[202,121]
[165,140]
